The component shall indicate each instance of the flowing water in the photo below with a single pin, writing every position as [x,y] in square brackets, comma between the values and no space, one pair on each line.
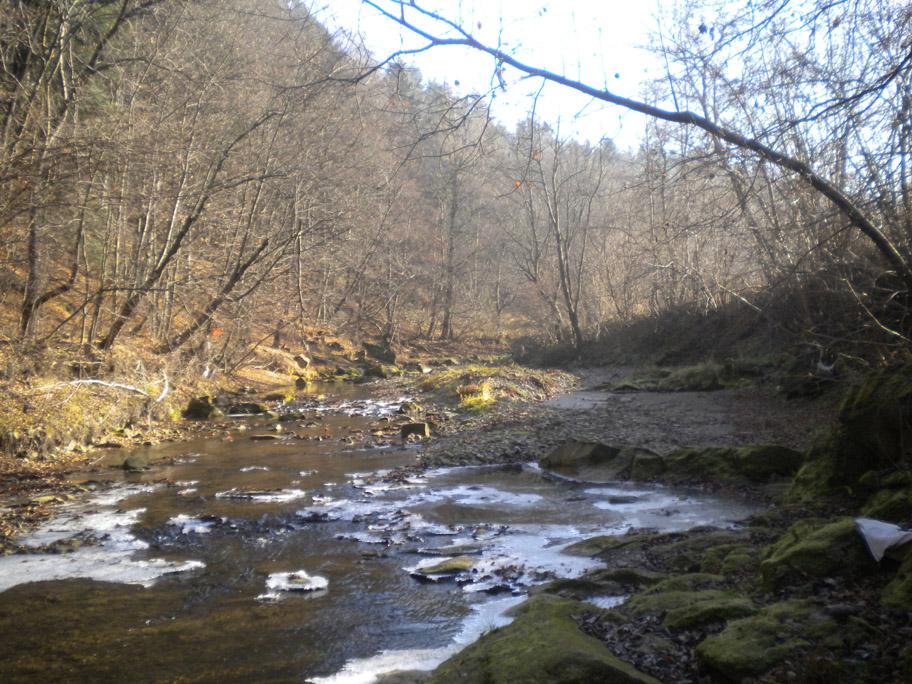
[290,560]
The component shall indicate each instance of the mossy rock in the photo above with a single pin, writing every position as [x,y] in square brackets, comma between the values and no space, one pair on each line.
[247,408]
[713,557]
[870,434]
[898,593]
[609,581]
[408,408]
[646,467]
[894,505]
[449,566]
[417,429]
[202,408]
[691,581]
[756,463]
[542,645]
[135,463]
[704,377]
[687,554]
[573,454]
[381,371]
[688,609]
[599,546]
[630,577]
[812,549]
[751,646]
[403,677]
[594,461]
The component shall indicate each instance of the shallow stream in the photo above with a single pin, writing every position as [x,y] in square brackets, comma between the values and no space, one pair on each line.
[292,560]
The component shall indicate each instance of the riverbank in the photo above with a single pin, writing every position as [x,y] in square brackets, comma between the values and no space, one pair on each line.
[688,605]
[790,594]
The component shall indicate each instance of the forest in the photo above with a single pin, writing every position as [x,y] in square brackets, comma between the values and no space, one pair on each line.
[537,405]
[171,169]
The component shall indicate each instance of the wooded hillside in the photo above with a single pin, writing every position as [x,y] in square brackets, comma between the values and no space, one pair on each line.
[204,175]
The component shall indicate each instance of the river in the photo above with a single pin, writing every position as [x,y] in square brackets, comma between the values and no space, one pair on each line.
[237,559]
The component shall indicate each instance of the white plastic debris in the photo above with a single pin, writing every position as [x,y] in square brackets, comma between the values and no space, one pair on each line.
[881,536]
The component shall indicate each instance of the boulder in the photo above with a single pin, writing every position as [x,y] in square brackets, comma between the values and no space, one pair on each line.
[301,360]
[380,352]
[870,436]
[814,549]
[647,466]
[419,429]
[135,463]
[753,645]
[893,505]
[688,609]
[450,566]
[247,408]
[542,645]
[595,461]
[408,407]
[755,463]
[202,408]
[380,371]
[898,593]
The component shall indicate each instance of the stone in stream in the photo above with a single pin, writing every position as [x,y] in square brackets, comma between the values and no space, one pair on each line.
[595,461]
[247,408]
[418,429]
[135,463]
[444,569]
[202,408]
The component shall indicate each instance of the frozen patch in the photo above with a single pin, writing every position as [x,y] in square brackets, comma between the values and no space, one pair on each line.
[481,495]
[606,602]
[105,550]
[484,617]
[250,469]
[258,496]
[191,525]
[299,581]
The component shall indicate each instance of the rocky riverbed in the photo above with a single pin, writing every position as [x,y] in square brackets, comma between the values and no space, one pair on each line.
[654,531]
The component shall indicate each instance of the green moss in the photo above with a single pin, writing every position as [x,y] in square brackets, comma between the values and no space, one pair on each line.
[477,397]
[646,466]
[542,645]
[889,504]
[898,593]
[750,646]
[814,549]
[449,566]
[603,581]
[704,377]
[595,461]
[687,554]
[597,546]
[870,434]
[756,463]
[687,609]
[636,577]
[690,581]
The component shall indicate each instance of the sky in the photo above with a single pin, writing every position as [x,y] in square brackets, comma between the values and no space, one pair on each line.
[598,42]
